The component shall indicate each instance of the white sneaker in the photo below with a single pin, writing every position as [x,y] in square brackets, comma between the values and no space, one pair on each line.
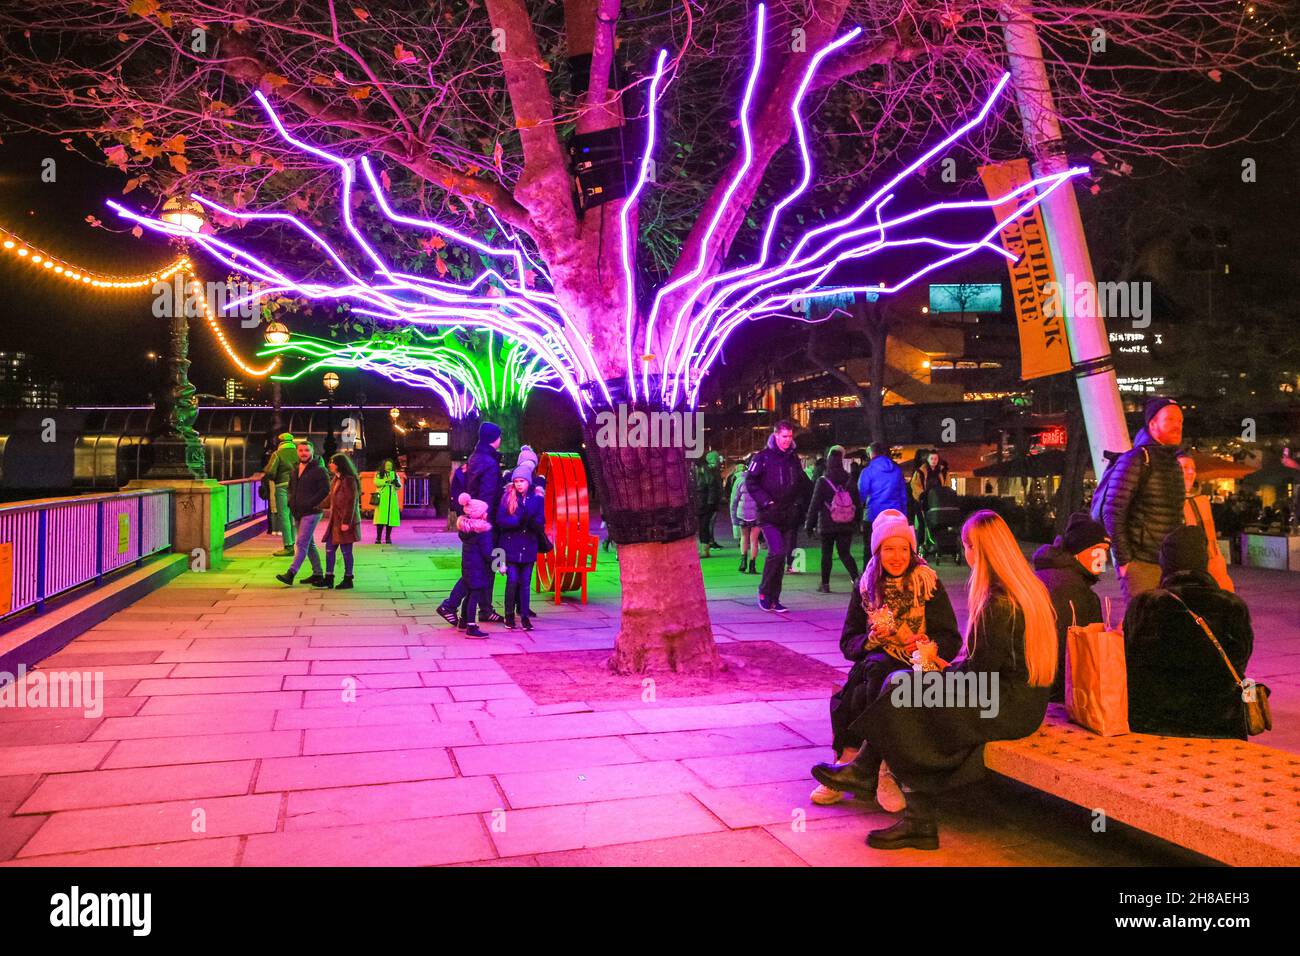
[824,796]
[888,793]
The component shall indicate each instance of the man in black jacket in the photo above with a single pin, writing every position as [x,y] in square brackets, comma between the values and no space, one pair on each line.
[309,486]
[1144,497]
[777,484]
[484,482]
[1070,567]
[1178,683]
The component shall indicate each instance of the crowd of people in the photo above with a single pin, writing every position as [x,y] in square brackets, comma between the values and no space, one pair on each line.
[1187,636]
[303,492]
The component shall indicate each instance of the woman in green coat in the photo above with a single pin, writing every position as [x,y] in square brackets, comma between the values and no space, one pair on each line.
[388,512]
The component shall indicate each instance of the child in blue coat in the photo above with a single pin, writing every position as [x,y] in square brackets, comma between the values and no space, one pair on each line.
[521,523]
[475,561]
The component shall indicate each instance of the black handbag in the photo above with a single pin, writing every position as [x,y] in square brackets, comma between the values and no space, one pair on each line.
[374,499]
[1254,696]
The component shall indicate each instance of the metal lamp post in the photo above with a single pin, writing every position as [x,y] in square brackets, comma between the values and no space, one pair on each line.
[331,382]
[277,333]
[177,448]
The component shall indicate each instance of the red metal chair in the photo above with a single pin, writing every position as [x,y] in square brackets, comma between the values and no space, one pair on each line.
[568,526]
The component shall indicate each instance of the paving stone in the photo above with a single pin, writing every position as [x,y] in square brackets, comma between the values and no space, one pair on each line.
[400,736]
[183,725]
[152,752]
[543,755]
[345,770]
[353,716]
[429,842]
[385,802]
[714,741]
[554,828]
[696,718]
[586,784]
[746,848]
[104,788]
[169,822]
[53,758]
[222,851]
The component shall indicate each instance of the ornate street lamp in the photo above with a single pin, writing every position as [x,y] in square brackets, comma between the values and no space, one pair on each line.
[276,333]
[177,448]
[331,382]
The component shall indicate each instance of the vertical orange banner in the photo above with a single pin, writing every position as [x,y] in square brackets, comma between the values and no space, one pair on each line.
[1044,349]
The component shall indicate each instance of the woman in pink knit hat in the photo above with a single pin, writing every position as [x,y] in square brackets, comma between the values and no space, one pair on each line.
[898,608]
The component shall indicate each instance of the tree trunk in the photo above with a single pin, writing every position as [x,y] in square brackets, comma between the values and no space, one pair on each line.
[508,417]
[665,624]
[1069,497]
[878,336]
[646,500]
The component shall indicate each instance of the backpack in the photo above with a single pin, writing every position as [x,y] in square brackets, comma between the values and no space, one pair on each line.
[842,508]
[1102,491]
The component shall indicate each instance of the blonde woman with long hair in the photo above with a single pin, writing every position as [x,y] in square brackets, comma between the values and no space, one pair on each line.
[1009,647]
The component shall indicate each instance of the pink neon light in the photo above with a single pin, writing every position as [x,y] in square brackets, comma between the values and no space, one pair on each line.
[625,250]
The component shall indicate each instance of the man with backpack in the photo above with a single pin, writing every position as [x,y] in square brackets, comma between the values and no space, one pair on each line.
[833,513]
[777,484]
[1140,497]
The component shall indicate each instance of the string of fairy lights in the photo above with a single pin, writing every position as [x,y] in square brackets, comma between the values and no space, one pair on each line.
[39,259]
[1288,51]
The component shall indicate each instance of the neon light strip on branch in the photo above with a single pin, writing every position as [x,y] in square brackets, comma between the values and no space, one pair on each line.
[704,309]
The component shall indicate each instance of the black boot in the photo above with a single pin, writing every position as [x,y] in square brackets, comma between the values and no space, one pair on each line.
[379,534]
[858,777]
[744,563]
[824,588]
[752,568]
[316,580]
[326,582]
[286,578]
[345,584]
[918,829]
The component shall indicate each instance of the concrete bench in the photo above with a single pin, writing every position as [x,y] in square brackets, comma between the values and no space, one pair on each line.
[1231,800]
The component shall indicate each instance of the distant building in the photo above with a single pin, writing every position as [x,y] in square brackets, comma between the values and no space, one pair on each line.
[23,385]
[235,390]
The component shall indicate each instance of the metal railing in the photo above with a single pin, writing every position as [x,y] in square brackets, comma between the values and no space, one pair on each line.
[416,493]
[242,500]
[56,544]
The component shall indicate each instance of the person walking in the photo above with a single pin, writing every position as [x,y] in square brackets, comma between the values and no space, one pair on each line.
[388,510]
[1009,650]
[744,518]
[881,486]
[1178,682]
[309,488]
[777,484]
[833,515]
[708,493]
[475,562]
[1144,497]
[1197,513]
[1070,568]
[344,528]
[483,482]
[521,527]
[277,471]
[932,473]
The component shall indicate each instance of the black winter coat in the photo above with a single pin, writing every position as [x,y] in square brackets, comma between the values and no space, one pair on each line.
[1144,501]
[777,484]
[457,486]
[1178,684]
[483,478]
[519,533]
[476,559]
[819,507]
[931,749]
[870,670]
[308,491]
[1070,584]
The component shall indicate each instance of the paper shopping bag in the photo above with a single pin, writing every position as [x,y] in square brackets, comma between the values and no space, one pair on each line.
[1096,679]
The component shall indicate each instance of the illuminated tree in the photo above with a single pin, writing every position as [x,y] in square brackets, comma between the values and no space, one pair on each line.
[473,373]
[423,121]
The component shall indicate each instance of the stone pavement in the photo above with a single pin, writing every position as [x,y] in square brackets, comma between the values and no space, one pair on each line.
[226,738]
